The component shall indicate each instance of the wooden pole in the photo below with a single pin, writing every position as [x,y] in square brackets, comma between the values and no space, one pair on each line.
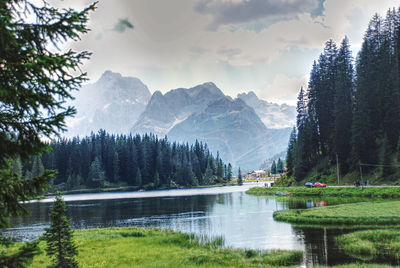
[337,169]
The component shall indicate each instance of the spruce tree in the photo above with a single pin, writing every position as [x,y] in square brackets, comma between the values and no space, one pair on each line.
[367,119]
[279,166]
[156,180]
[96,173]
[343,112]
[229,172]
[273,167]
[60,246]
[291,153]
[240,179]
[16,167]
[37,167]
[208,177]
[35,83]
[139,180]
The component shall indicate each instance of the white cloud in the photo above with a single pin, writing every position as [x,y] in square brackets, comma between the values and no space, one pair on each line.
[283,89]
[170,46]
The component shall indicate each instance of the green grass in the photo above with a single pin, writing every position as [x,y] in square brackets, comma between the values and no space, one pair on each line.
[375,192]
[371,244]
[366,214]
[138,247]
[359,265]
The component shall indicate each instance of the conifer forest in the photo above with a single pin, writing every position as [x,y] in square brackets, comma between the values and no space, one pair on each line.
[350,112]
[103,160]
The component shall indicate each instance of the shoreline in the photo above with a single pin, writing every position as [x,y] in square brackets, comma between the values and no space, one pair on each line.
[338,191]
[151,247]
[132,189]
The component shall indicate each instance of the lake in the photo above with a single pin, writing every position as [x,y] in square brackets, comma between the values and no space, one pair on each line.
[245,221]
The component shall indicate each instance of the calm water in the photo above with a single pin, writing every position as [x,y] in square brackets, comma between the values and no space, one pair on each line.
[245,221]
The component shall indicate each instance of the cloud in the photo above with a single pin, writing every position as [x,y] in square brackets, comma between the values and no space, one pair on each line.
[225,12]
[122,25]
[229,52]
[283,89]
[172,47]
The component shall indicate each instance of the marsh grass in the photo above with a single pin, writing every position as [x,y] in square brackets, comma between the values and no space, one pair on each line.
[357,214]
[371,244]
[359,265]
[139,247]
[376,192]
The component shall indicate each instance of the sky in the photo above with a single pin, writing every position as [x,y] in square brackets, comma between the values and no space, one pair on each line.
[267,46]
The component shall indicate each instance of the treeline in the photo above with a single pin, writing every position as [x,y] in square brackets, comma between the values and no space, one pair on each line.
[277,167]
[102,160]
[351,109]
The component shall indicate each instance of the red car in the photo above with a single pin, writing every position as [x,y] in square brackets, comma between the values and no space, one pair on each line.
[318,184]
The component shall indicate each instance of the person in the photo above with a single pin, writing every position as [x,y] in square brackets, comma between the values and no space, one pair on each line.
[354,183]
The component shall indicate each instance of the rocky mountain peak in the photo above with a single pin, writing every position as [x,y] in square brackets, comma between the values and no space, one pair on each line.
[113,102]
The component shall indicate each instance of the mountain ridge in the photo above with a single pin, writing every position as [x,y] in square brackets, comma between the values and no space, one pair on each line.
[235,128]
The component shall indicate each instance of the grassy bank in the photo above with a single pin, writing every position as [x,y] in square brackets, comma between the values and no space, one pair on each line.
[371,244]
[138,247]
[366,214]
[377,192]
[358,265]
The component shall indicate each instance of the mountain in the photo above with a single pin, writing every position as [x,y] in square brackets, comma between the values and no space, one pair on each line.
[234,129]
[113,103]
[163,112]
[273,115]
[240,129]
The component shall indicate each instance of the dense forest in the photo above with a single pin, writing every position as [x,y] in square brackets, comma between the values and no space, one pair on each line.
[350,112]
[103,160]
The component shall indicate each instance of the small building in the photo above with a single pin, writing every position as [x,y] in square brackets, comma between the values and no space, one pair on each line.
[255,174]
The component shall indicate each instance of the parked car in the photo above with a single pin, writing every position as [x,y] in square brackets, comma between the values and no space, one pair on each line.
[309,184]
[319,184]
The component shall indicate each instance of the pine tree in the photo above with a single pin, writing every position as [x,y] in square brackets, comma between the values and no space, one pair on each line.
[208,177]
[325,92]
[16,167]
[279,166]
[60,246]
[390,86]
[343,112]
[96,174]
[115,167]
[35,83]
[291,153]
[240,179]
[301,109]
[229,172]
[156,179]
[139,180]
[367,119]
[273,167]
[37,167]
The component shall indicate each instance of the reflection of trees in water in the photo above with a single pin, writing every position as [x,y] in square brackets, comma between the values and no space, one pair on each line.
[320,246]
[105,213]
[37,213]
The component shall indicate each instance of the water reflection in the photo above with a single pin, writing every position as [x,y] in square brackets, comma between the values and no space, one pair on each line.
[244,221]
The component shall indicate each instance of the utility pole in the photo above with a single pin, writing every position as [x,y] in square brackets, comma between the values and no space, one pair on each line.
[337,169]
[362,180]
